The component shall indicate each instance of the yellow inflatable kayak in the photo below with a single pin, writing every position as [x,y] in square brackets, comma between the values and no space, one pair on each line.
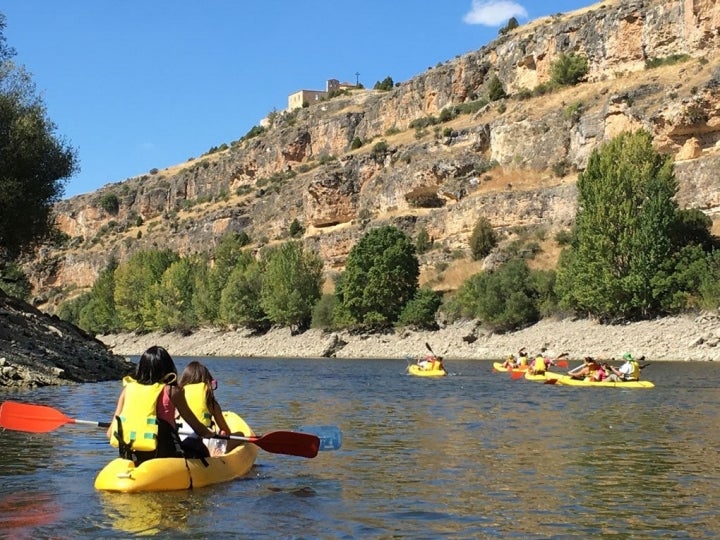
[498,366]
[547,376]
[414,369]
[569,381]
[170,474]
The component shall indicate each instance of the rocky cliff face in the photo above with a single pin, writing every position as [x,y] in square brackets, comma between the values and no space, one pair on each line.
[514,161]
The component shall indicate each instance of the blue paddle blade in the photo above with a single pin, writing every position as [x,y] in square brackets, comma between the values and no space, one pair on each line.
[330,436]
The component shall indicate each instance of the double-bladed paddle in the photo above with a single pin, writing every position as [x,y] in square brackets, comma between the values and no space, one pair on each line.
[42,419]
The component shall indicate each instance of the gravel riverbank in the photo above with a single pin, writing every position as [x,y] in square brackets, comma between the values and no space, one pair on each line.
[694,338]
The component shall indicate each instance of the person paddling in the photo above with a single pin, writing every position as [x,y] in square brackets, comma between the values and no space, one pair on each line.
[629,371]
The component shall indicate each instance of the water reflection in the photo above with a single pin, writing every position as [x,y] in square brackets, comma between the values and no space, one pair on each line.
[21,511]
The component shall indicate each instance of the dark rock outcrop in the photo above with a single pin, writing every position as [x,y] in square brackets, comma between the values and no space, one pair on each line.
[40,350]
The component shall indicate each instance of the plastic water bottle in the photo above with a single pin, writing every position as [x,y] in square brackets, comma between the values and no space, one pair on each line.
[217,447]
[330,436]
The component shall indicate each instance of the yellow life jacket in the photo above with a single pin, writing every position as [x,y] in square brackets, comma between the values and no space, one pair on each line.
[196,397]
[539,364]
[522,361]
[635,375]
[138,416]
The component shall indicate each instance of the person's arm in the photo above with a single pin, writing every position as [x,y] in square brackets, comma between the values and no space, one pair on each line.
[177,397]
[219,418]
[118,410]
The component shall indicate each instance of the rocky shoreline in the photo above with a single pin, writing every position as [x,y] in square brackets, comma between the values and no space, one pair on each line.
[686,338]
[37,349]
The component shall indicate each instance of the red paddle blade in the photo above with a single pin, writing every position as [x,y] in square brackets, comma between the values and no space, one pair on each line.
[517,375]
[32,418]
[550,381]
[562,363]
[291,443]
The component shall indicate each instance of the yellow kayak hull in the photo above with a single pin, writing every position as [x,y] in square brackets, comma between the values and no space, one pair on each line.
[498,366]
[569,381]
[548,375]
[172,474]
[417,371]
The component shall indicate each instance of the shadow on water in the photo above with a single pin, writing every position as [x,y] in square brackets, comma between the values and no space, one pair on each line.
[474,455]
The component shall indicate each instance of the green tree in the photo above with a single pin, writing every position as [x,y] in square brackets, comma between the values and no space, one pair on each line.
[504,300]
[617,266]
[34,161]
[423,242]
[386,84]
[568,69]
[173,296]
[240,301]
[322,315]
[381,276]
[511,25]
[292,283]
[99,316]
[420,311]
[229,253]
[110,203]
[483,239]
[14,282]
[296,229]
[135,288]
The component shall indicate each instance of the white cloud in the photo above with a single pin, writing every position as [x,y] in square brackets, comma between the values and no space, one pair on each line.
[493,12]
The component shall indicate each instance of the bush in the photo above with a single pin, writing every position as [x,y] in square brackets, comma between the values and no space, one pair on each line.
[569,69]
[420,311]
[483,239]
[495,89]
[110,203]
[386,84]
[356,143]
[296,229]
[322,313]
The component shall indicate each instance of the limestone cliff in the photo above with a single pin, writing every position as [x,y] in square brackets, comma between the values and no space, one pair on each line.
[514,161]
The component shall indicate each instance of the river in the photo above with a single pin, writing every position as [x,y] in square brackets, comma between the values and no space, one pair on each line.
[472,455]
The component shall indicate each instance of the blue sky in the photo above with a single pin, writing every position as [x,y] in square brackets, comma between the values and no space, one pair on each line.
[138,85]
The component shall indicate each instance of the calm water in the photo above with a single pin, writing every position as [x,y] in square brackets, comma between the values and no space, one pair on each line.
[473,455]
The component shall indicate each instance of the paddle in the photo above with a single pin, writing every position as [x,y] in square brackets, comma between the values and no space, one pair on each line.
[42,419]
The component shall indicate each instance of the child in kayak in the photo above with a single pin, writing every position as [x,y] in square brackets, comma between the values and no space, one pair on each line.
[198,385]
[431,362]
[143,426]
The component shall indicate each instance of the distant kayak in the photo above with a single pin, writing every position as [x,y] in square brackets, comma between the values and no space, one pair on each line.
[417,371]
[565,380]
[498,366]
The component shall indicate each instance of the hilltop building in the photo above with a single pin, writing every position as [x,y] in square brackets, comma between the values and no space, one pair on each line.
[301,97]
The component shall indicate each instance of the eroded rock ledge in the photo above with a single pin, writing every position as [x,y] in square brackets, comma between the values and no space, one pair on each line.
[37,349]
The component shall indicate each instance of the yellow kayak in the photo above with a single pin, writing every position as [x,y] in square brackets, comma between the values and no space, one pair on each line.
[414,369]
[170,474]
[569,381]
[547,376]
[498,366]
